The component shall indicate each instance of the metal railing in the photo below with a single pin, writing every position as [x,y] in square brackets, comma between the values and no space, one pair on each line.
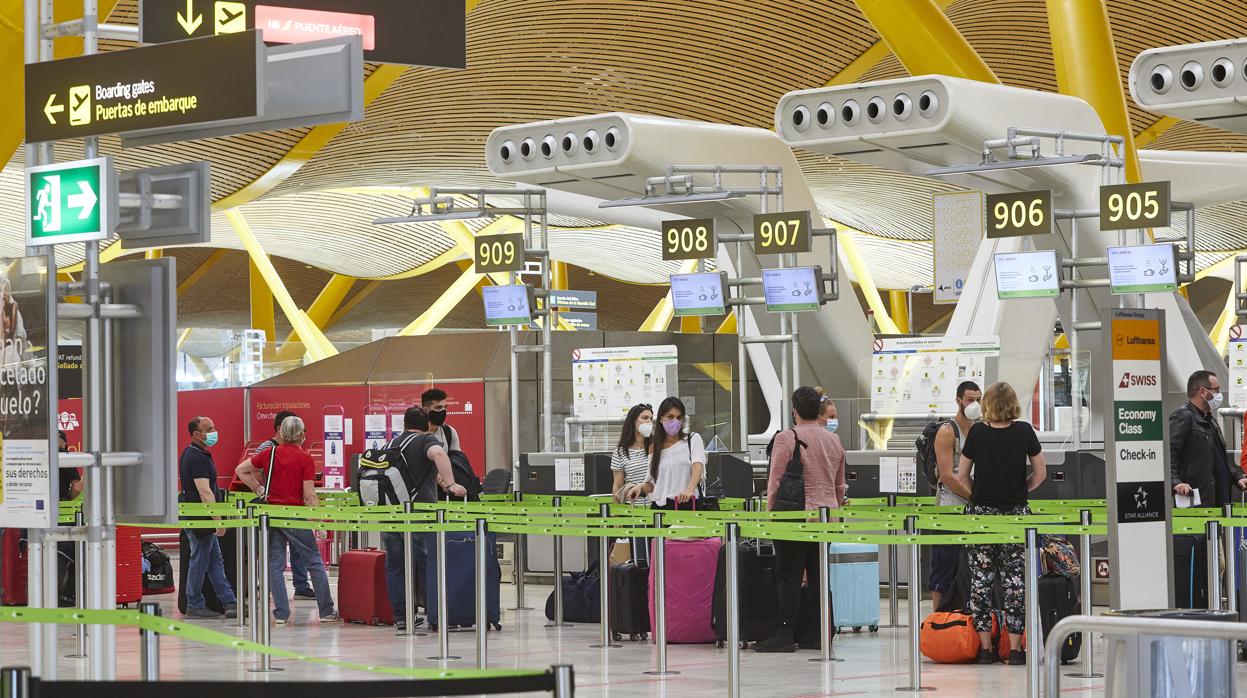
[1113,625]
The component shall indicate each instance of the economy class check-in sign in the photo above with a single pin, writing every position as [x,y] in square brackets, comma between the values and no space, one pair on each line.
[217,79]
[405,32]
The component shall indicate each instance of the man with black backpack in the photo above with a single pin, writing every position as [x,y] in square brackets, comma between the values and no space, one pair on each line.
[434,400]
[939,452]
[427,468]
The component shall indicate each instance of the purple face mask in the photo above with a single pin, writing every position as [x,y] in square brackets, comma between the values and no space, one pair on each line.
[672,426]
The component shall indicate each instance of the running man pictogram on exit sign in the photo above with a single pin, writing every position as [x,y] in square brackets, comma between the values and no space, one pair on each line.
[70,202]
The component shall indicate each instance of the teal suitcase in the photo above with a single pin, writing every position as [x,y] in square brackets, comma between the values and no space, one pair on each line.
[855,586]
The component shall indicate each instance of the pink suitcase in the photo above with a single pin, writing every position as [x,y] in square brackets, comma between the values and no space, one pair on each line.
[691,566]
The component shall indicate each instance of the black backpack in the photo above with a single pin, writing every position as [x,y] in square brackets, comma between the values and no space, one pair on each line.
[461,467]
[925,458]
[384,476]
[790,495]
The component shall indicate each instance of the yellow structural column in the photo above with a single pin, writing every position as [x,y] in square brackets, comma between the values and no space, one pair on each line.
[1086,66]
[320,314]
[898,301]
[263,317]
[660,317]
[924,40]
[866,282]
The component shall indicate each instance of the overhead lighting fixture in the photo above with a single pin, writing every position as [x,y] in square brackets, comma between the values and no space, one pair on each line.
[434,217]
[1090,159]
[673,199]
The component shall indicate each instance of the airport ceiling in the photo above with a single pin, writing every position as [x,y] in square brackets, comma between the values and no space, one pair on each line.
[726,61]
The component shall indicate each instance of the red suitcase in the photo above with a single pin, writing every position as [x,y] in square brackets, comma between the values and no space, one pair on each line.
[13,562]
[362,596]
[129,578]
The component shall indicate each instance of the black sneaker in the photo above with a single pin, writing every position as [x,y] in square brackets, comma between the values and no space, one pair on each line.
[777,643]
[1017,657]
[988,657]
[815,646]
[306,595]
[201,613]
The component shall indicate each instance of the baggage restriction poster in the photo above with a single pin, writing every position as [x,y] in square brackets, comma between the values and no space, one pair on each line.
[919,375]
[26,493]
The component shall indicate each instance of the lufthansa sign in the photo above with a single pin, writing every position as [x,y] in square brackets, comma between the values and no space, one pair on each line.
[190,82]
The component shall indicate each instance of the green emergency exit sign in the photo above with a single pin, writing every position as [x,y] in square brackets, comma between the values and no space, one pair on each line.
[70,202]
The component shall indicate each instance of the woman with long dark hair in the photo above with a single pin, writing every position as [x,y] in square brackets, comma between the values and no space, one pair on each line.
[630,459]
[677,461]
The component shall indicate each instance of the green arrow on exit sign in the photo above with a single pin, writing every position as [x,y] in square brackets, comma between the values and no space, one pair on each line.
[70,202]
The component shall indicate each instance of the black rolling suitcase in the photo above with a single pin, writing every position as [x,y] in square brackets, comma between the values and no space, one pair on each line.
[228,544]
[1058,599]
[1190,571]
[629,595]
[756,585]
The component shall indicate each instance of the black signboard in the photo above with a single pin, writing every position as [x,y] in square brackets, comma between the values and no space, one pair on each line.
[1021,213]
[407,32]
[189,82]
[1139,502]
[688,238]
[782,233]
[69,371]
[1130,206]
[499,253]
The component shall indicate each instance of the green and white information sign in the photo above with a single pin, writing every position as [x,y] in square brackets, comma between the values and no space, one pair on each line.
[70,202]
[1142,269]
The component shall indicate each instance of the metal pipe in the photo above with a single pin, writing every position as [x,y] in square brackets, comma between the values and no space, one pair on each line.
[149,645]
[1125,625]
[15,682]
[266,661]
[1088,645]
[659,563]
[604,553]
[557,502]
[51,599]
[1212,530]
[259,612]
[482,595]
[564,681]
[783,338]
[547,356]
[443,607]
[1072,379]
[87,461]
[915,617]
[732,583]
[905,418]
[515,403]
[1231,560]
[34,599]
[80,587]
[1034,628]
[521,559]
[825,628]
[240,566]
[785,381]
[409,578]
[894,570]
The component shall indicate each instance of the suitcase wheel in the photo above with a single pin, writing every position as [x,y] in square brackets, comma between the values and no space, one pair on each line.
[874,628]
[718,644]
[857,628]
[638,637]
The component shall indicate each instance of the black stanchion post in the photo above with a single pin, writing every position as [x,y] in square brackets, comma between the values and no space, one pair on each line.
[659,562]
[604,552]
[409,574]
[733,608]
[15,682]
[482,595]
[915,615]
[1088,645]
[149,645]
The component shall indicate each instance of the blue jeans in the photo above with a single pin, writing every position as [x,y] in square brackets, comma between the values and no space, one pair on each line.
[300,576]
[206,561]
[394,582]
[303,548]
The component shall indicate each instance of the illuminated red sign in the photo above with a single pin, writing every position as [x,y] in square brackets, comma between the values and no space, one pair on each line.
[290,25]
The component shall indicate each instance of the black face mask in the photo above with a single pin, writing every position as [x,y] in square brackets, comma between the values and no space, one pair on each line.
[437,417]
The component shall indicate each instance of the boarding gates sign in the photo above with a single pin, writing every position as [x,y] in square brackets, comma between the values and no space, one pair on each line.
[27,497]
[1139,495]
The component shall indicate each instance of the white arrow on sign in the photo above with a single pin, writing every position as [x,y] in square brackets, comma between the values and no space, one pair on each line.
[85,201]
[52,108]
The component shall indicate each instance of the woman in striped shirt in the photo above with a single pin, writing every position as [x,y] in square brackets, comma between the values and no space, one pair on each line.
[630,460]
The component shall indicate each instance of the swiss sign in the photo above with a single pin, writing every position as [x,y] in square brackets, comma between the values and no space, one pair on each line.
[406,32]
[70,202]
[192,82]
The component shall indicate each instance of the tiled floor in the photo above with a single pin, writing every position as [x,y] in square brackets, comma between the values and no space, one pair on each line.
[874,664]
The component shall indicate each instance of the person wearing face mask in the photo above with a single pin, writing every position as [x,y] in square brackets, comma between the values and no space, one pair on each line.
[630,459]
[198,475]
[291,483]
[434,400]
[947,455]
[1198,462]
[677,462]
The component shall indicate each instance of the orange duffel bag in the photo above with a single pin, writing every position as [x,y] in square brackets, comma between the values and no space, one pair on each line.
[949,638]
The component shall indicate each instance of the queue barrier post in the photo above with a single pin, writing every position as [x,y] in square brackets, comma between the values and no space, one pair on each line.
[443,622]
[604,512]
[409,581]
[240,564]
[1231,560]
[558,622]
[1212,531]
[482,595]
[659,562]
[149,645]
[15,682]
[521,555]
[915,617]
[250,596]
[1034,626]
[732,541]
[894,602]
[261,608]
[564,681]
[80,587]
[825,628]
[1088,645]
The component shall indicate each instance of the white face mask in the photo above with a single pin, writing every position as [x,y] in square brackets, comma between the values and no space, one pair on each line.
[646,429]
[973,411]
[1215,401]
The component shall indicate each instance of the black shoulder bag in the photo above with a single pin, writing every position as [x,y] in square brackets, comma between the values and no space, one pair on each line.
[790,495]
[268,476]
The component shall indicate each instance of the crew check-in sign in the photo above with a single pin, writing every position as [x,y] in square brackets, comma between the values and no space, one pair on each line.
[406,32]
[1138,461]
[191,82]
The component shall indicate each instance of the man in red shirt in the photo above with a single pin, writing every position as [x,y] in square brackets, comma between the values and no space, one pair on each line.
[289,482]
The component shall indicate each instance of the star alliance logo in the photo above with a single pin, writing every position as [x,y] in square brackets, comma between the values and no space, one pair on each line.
[1140,499]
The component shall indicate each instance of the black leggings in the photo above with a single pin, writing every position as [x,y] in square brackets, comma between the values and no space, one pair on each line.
[797,560]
